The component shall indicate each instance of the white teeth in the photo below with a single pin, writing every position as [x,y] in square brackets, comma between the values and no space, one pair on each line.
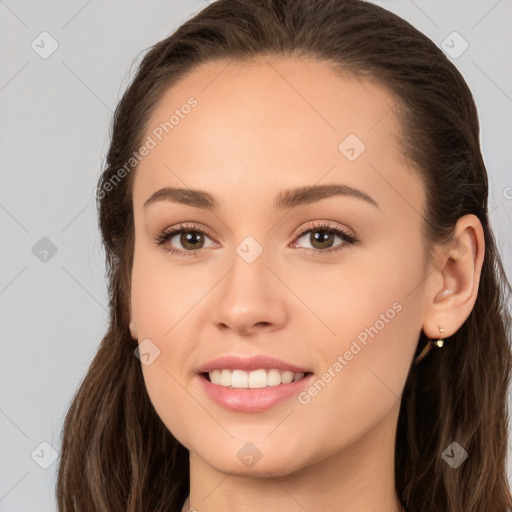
[257,379]
[225,378]
[287,377]
[239,379]
[215,376]
[253,380]
[273,378]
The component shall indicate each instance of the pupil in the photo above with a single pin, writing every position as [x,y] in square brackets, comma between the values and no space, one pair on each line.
[321,238]
[189,238]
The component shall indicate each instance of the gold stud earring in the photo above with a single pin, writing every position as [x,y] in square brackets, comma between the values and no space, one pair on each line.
[431,343]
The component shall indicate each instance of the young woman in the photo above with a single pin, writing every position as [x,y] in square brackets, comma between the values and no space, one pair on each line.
[307,306]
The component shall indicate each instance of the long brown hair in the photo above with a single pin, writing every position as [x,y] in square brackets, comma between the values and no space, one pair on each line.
[116,452]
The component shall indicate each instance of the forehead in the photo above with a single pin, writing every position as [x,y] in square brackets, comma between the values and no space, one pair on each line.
[276,122]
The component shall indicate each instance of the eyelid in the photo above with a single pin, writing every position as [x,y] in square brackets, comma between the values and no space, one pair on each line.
[188,226]
[321,224]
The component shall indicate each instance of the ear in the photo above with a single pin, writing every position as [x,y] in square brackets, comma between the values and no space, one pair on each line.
[133,328]
[453,285]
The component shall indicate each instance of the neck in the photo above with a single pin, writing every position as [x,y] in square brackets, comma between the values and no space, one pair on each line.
[357,478]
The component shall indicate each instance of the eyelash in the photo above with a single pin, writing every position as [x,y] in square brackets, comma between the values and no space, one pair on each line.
[167,234]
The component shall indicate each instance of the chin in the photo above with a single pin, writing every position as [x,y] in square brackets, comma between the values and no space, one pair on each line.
[250,461]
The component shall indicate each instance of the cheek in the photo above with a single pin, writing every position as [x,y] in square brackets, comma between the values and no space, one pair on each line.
[367,362]
[373,296]
[162,301]
[161,293]
[374,309]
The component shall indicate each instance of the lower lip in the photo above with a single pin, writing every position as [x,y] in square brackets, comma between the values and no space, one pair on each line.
[252,400]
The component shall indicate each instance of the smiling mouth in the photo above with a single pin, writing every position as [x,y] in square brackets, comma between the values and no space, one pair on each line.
[256,379]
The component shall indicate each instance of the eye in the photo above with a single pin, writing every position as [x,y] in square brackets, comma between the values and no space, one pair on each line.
[322,236]
[190,237]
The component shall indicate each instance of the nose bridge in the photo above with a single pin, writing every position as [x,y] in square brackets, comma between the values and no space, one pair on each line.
[249,264]
[250,294]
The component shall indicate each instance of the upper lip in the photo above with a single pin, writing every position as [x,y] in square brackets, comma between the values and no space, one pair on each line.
[249,363]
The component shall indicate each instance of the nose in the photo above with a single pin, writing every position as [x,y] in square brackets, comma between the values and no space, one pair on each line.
[250,299]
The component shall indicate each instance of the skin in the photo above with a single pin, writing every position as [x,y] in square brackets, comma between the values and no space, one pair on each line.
[260,128]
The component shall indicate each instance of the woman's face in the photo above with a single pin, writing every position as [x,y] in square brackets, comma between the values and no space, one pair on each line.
[267,277]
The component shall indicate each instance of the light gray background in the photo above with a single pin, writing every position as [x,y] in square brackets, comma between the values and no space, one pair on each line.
[55,125]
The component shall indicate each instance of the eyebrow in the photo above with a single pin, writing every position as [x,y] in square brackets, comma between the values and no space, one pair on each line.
[285,199]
